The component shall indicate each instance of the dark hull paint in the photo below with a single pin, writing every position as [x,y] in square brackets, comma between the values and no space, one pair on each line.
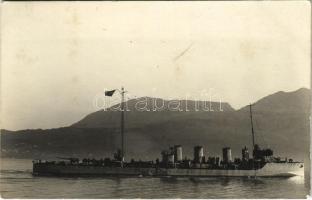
[269,170]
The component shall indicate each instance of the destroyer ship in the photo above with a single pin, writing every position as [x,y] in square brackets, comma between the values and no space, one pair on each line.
[261,163]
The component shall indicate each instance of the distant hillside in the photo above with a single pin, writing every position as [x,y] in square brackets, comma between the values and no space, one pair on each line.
[281,122]
[137,118]
[298,101]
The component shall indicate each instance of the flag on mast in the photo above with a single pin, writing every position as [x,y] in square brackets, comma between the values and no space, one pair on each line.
[109,93]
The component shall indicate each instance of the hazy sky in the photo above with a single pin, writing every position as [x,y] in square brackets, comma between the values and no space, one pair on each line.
[58,56]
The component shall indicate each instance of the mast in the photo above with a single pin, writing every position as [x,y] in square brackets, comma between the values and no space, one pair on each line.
[122,123]
[252,129]
[253,141]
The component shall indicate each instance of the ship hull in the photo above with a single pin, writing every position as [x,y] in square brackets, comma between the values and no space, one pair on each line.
[269,170]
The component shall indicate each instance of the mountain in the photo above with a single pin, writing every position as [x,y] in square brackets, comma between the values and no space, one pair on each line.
[284,102]
[281,122]
[143,111]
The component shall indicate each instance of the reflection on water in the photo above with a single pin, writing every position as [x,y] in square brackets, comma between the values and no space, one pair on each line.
[17,182]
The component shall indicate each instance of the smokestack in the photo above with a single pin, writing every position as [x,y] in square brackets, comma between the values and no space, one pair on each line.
[178,156]
[198,154]
[227,154]
[167,156]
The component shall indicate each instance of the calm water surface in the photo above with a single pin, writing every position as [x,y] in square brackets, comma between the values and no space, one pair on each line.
[18,182]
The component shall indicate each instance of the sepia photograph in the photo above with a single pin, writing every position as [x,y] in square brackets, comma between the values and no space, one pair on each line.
[155,99]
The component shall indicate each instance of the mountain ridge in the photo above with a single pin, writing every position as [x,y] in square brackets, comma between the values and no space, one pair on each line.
[110,117]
